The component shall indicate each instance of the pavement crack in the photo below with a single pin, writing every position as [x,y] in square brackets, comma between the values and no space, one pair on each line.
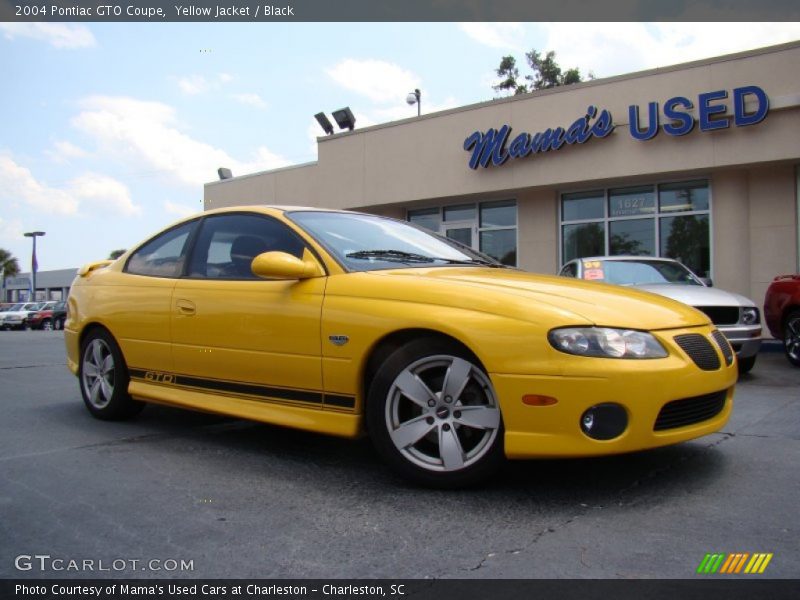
[33,366]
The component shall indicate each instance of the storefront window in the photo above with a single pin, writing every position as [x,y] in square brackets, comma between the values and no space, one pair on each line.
[584,205]
[640,221]
[426,217]
[685,238]
[490,227]
[584,239]
[632,236]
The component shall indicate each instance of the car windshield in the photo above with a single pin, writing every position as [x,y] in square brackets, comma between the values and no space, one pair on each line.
[642,272]
[367,242]
[16,307]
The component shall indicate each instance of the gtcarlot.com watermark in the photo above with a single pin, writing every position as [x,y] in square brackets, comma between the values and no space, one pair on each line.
[45,563]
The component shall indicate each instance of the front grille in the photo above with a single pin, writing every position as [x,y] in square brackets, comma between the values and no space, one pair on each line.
[689,411]
[721,315]
[699,350]
[723,344]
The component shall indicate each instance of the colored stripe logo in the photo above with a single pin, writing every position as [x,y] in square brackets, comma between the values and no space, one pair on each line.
[735,563]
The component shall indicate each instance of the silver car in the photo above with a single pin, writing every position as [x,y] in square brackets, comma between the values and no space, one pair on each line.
[733,314]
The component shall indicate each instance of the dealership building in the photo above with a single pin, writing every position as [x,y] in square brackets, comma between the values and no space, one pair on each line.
[698,161]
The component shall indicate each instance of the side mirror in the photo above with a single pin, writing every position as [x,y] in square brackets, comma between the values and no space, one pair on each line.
[281,265]
[707,281]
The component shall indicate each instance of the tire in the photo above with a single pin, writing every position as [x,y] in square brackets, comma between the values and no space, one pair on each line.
[424,433]
[47,325]
[58,324]
[791,337]
[104,379]
[747,364]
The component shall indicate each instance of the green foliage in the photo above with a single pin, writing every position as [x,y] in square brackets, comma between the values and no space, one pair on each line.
[546,73]
[115,254]
[8,264]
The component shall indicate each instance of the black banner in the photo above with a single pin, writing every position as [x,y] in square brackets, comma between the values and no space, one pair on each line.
[373,589]
[395,10]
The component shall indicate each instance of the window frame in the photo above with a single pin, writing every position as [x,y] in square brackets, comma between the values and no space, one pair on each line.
[656,216]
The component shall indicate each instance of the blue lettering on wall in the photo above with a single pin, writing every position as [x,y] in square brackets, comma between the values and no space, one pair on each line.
[710,108]
[652,121]
[490,146]
[712,114]
[682,122]
[740,118]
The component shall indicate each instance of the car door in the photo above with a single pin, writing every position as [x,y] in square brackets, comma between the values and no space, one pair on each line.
[137,307]
[238,335]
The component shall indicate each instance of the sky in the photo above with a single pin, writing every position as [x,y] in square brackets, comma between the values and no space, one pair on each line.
[109,131]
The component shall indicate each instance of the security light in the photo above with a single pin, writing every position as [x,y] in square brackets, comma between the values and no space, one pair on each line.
[344,118]
[224,173]
[324,123]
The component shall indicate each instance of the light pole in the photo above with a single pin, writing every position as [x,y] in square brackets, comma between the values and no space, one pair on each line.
[34,264]
[413,98]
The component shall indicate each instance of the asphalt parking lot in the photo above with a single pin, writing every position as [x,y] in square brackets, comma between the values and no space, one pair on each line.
[238,499]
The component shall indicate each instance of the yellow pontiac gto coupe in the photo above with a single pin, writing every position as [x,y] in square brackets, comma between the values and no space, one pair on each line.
[345,323]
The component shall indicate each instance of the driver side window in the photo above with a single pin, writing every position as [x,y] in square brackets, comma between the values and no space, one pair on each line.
[227,245]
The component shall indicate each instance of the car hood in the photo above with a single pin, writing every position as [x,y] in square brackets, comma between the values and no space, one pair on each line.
[696,295]
[527,295]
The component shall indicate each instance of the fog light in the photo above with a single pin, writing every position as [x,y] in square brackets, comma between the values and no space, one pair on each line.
[604,421]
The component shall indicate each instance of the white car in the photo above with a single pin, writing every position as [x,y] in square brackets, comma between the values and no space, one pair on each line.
[734,315]
[14,317]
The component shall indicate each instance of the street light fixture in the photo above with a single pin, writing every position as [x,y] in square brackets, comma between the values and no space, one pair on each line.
[413,98]
[34,264]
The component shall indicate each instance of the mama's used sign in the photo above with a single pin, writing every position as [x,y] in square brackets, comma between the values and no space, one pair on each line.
[497,146]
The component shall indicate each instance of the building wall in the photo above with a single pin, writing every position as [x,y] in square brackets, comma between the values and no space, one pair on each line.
[420,162]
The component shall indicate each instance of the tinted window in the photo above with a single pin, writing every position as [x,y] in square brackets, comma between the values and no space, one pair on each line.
[583,205]
[164,255]
[569,270]
[227,245]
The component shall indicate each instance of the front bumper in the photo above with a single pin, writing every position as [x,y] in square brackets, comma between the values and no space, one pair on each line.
[641,387]
[745,339]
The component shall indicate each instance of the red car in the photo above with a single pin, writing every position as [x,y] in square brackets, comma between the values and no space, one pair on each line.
[52,316]
[782,314]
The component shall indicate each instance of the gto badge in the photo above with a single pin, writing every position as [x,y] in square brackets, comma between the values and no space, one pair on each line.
[338,340]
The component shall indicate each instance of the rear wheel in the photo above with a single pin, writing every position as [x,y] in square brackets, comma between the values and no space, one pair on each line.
[791,337]
[104,378]
[47,325]
[433,415]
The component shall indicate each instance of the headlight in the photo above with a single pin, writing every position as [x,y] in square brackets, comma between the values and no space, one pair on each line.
[750,315]
[606,343]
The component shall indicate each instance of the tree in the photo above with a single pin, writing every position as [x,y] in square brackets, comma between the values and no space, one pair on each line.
[9,264]
[115,254]
[546,73]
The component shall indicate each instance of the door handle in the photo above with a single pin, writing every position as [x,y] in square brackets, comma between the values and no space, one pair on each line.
[186,307]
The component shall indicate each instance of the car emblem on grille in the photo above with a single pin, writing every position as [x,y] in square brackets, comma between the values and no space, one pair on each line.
[338,340]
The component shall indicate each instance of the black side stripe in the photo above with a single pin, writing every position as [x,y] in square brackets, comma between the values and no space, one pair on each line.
[247,389]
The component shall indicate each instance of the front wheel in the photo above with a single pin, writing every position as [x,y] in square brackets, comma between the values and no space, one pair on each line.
[104,378]
[791,337]
[433,415]
[746,364]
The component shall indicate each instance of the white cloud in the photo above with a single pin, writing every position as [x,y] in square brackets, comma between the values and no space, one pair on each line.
[10,231]
[18,183]
[147,132]
[193,84]
[377,80]
[63,152]
[180,210]
[90,189]
[58,35]
[104,194]
[198,84]
[253,100]
[615,48]
[505,36]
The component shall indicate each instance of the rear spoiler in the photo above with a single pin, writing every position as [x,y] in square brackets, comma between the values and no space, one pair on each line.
[93,266]
[780,277]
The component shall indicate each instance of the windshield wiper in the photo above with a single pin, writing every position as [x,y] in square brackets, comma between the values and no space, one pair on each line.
[402,256]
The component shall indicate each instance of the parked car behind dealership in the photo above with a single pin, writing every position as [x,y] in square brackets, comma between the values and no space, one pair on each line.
[782,314]
[733,314]
[51,316]
[14,318]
